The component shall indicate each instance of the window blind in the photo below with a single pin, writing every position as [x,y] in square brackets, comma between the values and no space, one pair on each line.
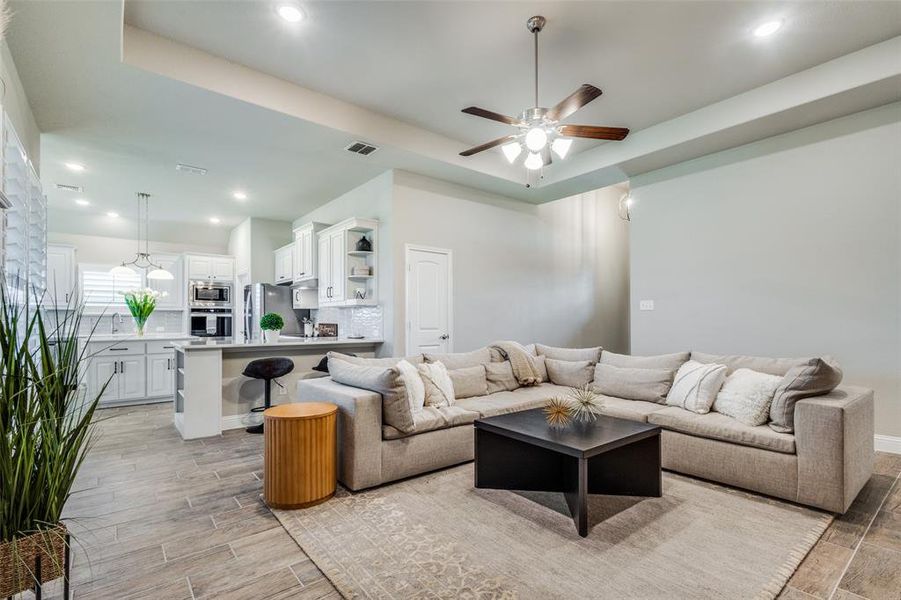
[99,287]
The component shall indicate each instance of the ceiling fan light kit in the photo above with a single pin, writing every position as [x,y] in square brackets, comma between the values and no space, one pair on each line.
[540,131]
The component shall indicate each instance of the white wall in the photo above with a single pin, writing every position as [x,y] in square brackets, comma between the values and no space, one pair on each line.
[111,250]
[265,237]
[555,273]
[16,106]
[785,247]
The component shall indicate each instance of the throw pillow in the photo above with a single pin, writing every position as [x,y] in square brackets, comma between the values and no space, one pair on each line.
[381,380]
[761,364]
[650,385]
[572,373]
[439,389]
[696,386]
[469,382]
[501,377]
[413,385]
[815,377]
[461,360]
[571,354]
[541,365]
[670,362]
[746,396]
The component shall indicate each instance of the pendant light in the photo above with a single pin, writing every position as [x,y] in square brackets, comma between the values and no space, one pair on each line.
[142,259]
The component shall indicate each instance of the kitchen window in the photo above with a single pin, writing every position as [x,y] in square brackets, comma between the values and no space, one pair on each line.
[102,289]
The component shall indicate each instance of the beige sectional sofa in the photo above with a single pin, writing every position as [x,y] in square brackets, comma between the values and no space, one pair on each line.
[824,463]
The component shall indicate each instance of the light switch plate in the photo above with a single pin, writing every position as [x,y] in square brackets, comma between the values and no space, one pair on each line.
[646,305]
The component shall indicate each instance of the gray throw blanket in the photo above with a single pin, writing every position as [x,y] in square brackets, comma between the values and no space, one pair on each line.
[523,367]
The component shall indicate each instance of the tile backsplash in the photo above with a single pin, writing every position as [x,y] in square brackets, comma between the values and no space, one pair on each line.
[161,321]
[352,321]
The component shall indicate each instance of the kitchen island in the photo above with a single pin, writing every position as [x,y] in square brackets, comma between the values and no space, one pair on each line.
[212,395]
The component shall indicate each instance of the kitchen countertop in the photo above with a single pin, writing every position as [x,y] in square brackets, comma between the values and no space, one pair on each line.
[131,337]
[284,341]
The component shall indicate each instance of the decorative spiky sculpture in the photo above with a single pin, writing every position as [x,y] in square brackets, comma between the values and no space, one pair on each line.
[558,412]
[585,403]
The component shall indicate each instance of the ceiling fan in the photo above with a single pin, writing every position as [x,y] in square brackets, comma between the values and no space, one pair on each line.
[540,130]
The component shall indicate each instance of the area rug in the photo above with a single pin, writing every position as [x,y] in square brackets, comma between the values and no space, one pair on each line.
[436,536]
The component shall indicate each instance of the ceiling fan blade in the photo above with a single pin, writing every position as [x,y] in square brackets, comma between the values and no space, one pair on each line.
[594,132]
[488,145]
[487,114]
[582,96]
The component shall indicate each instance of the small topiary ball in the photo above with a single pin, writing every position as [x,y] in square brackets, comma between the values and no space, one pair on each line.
[272,322]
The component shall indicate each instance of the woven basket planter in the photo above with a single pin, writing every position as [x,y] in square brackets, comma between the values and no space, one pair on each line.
[18,560]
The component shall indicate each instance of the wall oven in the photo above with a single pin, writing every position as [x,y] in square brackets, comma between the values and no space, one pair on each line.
[210,295]
[211,322]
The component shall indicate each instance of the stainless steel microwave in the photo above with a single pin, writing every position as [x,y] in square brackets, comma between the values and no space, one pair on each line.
[210,295]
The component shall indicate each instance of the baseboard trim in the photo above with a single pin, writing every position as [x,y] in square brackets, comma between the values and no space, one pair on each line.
[234,422]
[887,443]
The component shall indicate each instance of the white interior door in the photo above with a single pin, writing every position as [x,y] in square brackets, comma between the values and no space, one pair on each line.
[429,300]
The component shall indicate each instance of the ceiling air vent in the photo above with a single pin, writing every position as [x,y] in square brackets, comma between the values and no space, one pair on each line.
[362,148]
[190,169]
[69,188]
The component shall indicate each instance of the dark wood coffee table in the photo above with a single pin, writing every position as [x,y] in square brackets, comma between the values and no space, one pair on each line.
[520,451]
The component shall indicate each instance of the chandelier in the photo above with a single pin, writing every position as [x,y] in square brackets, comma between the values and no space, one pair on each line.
[142,258]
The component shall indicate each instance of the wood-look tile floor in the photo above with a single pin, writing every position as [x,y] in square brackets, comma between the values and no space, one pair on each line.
[158,517]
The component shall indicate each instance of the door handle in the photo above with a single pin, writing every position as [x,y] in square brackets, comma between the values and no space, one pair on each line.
[444,337]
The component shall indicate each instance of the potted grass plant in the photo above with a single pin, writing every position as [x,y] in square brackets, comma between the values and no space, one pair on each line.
[46,429]
[271,324]
[141,304]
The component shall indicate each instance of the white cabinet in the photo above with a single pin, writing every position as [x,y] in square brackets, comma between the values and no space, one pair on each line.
[132,377]
[101,370]
[174,288]
[126,375]
[160,375]
[306,251]
[348,274]
[210,268]
[61,278]
[284,264]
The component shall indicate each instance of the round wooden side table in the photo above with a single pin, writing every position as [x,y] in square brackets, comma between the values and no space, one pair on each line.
[299,454]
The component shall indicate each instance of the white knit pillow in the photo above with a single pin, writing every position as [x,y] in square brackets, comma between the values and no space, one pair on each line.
[439,389]
[413,384]
[747,396]
[696,385]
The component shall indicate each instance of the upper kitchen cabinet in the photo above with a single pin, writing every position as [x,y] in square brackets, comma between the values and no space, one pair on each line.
[174,288]
[284,264]
[306,252]
[61,275]
[207,267]
[348,263]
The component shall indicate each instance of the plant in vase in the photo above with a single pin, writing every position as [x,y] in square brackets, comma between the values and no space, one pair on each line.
[46,429]
[141,304]
[271,324]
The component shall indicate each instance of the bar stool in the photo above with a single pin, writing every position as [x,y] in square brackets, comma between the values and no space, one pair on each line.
[267,369]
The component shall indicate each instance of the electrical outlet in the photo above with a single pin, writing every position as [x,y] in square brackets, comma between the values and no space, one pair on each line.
[646,305]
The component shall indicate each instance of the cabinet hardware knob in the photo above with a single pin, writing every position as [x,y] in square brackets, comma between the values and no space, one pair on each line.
[444,337]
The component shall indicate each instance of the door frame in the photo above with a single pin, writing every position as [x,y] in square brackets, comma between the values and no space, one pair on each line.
[408,266]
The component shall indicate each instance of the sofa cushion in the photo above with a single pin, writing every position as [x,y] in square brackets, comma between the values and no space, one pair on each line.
[763,364]
[439,389]
[431,418]
[500,377]
[385,381]
[498,356]
[571,373]
[696,385]
[523,398]
[461,360]
[720,427]
[746,395]
[375,362]
[650,385]
[670,362]
[589,354]
[816,377]
[633,410]
[540,363]
[413,385]
[469,382]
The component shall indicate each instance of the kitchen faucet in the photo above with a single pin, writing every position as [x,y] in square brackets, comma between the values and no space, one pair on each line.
[112,327]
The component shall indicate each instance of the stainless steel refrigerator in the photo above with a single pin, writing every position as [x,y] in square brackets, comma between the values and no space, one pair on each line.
[262,298]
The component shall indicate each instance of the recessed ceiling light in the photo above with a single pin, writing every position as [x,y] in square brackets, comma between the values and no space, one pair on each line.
[82,202]
[215,220]
[112,215]
[239,195]
[78,168]
[290,13]
[768,28]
